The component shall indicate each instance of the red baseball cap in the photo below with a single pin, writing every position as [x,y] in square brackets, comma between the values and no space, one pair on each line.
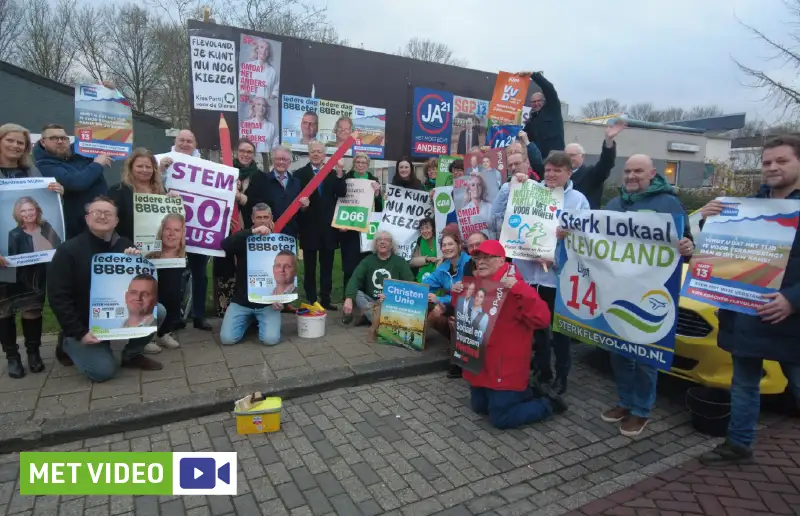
[492,248]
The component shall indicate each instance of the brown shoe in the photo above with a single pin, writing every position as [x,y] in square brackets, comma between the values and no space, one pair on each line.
[615,415]
[633,425]
[142,362]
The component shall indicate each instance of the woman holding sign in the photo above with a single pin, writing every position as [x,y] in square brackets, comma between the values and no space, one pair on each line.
[26,290]
[140,174]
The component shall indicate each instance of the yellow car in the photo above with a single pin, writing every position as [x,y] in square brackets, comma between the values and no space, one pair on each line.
[698,358]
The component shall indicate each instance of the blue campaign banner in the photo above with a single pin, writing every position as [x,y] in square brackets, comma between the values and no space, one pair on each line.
[271,268]
[502,135]
[123,297]
[432,122]
[403,314]
[619,278]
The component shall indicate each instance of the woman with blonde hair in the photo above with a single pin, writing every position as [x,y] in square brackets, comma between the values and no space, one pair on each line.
[261,69]
[172,235]
[26,291]
[140,174]
[33,233]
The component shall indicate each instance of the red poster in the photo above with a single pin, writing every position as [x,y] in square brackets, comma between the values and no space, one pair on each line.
[477,309]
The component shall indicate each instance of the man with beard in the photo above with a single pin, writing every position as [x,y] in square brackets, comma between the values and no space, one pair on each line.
[81,177]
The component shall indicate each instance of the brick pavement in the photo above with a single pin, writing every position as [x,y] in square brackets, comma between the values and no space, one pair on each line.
[200,365]
[405,447]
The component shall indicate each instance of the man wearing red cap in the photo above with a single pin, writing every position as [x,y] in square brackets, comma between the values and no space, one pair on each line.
[501,389]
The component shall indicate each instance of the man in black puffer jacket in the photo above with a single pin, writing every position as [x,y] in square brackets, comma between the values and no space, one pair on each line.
[545,126]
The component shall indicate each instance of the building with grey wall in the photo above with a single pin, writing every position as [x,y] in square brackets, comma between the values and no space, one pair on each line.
[33,101]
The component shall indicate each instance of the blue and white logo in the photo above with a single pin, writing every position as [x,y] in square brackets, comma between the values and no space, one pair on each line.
[211,473]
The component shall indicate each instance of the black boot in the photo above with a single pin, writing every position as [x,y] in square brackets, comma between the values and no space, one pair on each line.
[32,329]
[8,339]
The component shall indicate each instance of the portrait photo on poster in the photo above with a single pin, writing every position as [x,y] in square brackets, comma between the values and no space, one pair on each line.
[123,297]
[159,229]
[259,86]
[31,220]
[271,268]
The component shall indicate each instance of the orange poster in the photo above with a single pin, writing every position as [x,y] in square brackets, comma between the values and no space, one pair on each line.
[508,98]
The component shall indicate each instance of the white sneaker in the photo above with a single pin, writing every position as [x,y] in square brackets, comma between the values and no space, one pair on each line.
[168,341]
[152,348]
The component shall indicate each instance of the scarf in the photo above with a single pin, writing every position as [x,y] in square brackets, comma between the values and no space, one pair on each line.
[246,171]
[657,186]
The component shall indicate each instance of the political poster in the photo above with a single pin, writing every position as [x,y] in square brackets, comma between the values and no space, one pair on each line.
[352,211]
[508,98]
[618,282]
[208,190]
[473,193]
[271,268]
[469,124]
[159,229]
[32,219]
[477,309]
[526,115]
[213,73]
[103,122]
[299,121]
[335,124]
[530,223]
[742,253]
[403,314]
[443,175]
[123,297]
[501,136]
[443,208]
[402,211]
[432,122]
[370,123]
[259,83]
[369,235]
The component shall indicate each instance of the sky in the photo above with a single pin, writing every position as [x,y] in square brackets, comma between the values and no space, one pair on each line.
[668,52]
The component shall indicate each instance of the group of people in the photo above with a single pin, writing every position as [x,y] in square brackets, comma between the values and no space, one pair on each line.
[517,384]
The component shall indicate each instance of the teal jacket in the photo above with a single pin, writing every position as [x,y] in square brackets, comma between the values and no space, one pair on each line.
[442,278]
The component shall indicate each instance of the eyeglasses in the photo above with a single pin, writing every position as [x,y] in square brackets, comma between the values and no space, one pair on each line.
[58,138]
[102,213]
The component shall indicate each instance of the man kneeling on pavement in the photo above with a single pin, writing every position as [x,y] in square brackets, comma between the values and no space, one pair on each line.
[68,288]
[502,388]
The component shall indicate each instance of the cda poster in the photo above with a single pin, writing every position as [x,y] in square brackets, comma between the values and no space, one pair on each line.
[123,297]
[353,210]
[403,314]
[477,309]
[29,208]
[103,122]
[742,253]
[402,211]
[530,222]
[271,268]
[618,281]
[159,229]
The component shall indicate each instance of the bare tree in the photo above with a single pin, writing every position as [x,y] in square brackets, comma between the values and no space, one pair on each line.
[643,111]
[429,50]
[10,28]
[703,112]
[45,45]
[597,108]
[672,114]
[288,18]
[89,31]
[172,92]
[783,94]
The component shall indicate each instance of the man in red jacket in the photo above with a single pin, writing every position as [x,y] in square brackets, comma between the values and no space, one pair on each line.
[502,389]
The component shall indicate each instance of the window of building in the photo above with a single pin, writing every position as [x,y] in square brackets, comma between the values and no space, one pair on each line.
[671,172]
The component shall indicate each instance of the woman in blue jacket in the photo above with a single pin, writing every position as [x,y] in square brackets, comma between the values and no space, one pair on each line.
[450,271]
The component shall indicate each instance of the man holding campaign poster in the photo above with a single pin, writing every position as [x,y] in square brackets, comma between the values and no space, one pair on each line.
[242,310]
[271,269]
[98,254]
[500,386]
[772,332]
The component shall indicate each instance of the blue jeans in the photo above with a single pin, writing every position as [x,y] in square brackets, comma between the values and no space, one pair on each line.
[97,360]
[746,397]
[510,409]
[636,384]
[238,318]
[198,263]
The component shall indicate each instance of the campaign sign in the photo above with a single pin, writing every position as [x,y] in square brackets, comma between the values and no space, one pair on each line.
[103,122]
[443,175]
[443,207]
[500,136]
[123,297]
[477,309]
[159,229]
[209,195]
[403,314]
[32,220]
[529,226]
[403,210]
[352,211]
[271,268]
[369,236]
[618,280]
[432,122]
[742,253]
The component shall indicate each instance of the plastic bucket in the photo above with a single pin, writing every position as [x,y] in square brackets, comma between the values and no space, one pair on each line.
[311,326]
[710,409]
